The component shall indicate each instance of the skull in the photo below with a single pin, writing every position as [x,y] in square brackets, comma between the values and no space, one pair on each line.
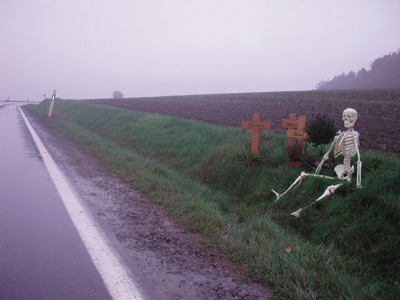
[349,117]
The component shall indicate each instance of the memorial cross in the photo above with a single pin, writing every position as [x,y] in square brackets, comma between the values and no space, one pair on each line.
[255,126]
[296,130]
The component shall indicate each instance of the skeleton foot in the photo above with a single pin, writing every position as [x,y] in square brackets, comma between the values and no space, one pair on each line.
[276,194]
[297,213]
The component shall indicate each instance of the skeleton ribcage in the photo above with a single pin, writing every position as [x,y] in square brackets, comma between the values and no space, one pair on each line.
[345,144]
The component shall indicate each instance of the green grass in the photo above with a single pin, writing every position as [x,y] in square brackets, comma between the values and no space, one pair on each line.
[345,247]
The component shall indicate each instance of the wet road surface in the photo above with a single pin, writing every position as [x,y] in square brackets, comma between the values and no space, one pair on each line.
[41,253]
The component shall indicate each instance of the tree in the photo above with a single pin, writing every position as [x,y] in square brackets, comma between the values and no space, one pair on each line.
[117,95]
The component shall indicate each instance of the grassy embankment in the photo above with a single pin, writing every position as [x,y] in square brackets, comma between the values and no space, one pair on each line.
[346,247]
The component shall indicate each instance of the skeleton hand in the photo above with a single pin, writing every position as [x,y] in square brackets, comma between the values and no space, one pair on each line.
[326,156]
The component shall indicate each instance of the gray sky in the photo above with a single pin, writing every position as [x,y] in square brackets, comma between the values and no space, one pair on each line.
[90,48]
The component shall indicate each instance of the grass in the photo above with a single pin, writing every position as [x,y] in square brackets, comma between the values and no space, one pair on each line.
[345,247]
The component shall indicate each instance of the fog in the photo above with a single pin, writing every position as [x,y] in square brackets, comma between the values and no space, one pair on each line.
[88,49]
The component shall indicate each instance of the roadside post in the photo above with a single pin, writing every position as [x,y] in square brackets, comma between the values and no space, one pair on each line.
[296,130]
[52,104]
[255,126]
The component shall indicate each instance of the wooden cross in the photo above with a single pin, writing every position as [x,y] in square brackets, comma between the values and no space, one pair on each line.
[256,125]
[296,130]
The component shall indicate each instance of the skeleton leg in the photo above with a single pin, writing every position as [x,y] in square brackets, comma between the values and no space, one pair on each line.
[329,191]
[297,182]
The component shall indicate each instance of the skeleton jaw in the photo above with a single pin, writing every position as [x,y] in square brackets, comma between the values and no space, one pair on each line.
[348,124]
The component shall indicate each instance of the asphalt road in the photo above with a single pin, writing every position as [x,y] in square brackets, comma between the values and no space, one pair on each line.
[42,255]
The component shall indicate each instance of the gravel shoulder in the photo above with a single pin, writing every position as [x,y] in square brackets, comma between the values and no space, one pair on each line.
[166,260]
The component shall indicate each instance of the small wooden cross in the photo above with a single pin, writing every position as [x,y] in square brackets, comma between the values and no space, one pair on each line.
[296,130]
[255,126]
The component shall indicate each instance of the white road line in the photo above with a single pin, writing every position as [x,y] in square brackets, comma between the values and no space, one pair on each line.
[115,275]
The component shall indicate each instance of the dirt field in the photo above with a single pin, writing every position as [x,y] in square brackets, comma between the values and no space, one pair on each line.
[378,123]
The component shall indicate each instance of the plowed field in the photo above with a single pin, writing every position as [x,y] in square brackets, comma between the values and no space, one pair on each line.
[378,122]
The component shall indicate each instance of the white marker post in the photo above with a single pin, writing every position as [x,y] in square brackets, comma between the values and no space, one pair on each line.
[51,105]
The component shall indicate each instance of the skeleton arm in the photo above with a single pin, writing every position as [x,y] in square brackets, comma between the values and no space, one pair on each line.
[359,163]
[326,156]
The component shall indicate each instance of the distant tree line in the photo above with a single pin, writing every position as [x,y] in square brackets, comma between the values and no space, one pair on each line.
[384,74]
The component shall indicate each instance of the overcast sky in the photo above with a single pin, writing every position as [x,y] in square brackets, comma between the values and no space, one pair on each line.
[90,48]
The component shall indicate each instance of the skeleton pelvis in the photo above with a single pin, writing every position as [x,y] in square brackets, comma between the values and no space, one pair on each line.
[341,172]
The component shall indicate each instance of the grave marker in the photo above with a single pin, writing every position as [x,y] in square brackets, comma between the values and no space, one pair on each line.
[255,126]
[296,130]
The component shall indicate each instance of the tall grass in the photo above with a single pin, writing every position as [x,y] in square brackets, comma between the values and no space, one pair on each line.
[345,247]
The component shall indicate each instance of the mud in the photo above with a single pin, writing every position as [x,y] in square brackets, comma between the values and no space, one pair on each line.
[167,261]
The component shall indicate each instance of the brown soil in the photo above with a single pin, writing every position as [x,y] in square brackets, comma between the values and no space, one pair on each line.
[166,260]
[378,123]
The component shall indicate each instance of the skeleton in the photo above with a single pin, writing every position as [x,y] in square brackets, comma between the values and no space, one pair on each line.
[346,144]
